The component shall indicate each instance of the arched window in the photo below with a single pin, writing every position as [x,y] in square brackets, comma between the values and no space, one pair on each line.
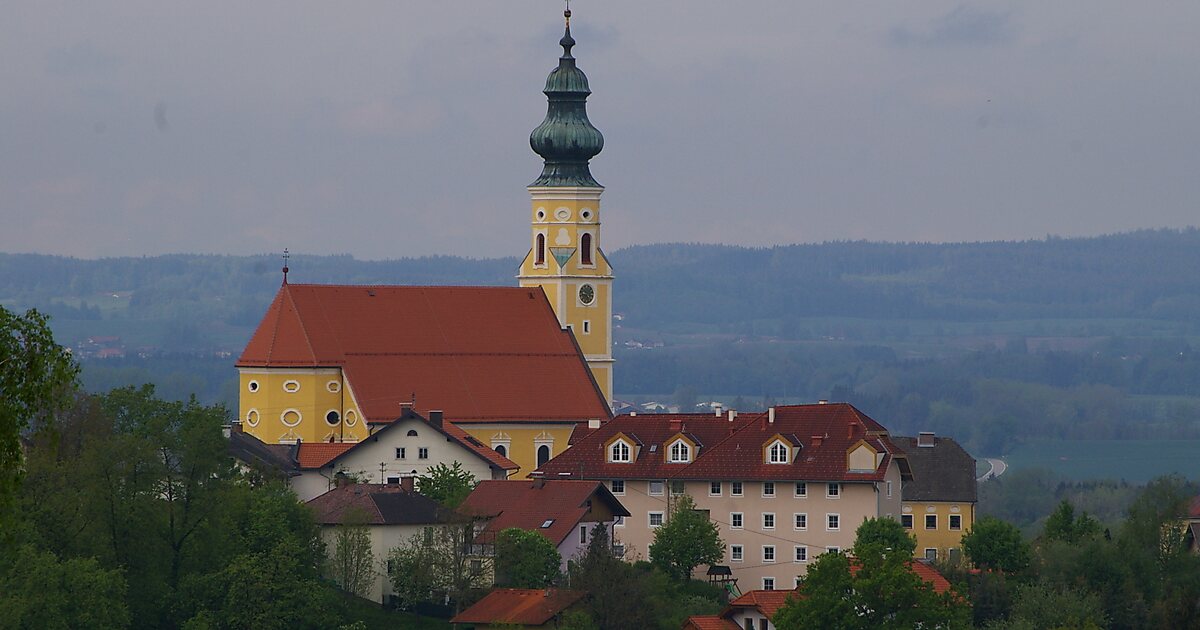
[412,433]
[540,250]
[778,453]
[543,454]
[500,449]
[681,452]
[619,452]
[585,246]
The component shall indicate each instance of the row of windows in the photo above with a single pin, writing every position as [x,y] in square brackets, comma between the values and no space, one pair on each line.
[736,488]
[585,249]
[293,386]
[833,522]
[680,452]
[402,452]
[931,521]
[737,553]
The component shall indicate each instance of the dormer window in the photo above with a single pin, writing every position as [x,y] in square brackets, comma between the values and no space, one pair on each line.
[619,452]
[777,453]
[681,452]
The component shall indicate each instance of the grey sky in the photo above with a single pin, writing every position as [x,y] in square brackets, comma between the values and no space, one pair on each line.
[388,129]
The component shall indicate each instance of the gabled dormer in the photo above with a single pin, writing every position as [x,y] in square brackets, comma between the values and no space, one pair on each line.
[780,449]
[622,449]
[681,448]
[862,457]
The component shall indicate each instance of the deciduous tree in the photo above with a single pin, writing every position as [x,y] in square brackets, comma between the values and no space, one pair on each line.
[526,559]
[687,540]
[448,485]
[995,544]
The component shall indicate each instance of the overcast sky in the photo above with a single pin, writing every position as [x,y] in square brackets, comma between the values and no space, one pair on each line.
[387,129]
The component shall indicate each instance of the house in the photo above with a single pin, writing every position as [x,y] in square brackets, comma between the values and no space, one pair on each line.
[782,486]
[939,502]
[406,447]
[564,511]
[392,515]
[755,610]
[334,363]
[520,608]
[1192,533]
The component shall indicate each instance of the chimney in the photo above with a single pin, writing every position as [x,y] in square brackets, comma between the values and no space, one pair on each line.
[822,402]
[594,423]
[732,414]
[717,410]
[539,483]
[771,415]
[406,482]
[226,430]
[816,440]
[926,439]
[675,424]
[435,417]
[851,429]
[632,414]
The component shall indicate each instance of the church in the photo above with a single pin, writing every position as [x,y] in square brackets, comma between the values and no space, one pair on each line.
[516,368]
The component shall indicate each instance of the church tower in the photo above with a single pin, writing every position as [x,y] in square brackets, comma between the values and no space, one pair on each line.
[565,257]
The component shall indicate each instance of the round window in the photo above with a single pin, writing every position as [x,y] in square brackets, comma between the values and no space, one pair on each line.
[332,417]
[587,294]
[351,417]
[252,386]
[586,215]
[252,417]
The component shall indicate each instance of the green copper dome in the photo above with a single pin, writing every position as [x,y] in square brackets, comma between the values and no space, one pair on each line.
[566,139]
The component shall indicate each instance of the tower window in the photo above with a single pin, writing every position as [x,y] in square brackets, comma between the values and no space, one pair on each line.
[502,450]
[540,250]
[332,417]
[585,246]
[543,454]
[587,327]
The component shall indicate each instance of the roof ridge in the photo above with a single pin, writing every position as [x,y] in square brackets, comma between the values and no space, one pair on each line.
[303,327]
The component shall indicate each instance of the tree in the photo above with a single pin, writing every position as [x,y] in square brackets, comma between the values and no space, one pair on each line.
[619,594]
[995,544]
[36,379]
[353,562]
[879,591]
[439,564]
[448,485]
[525,559]
[40,591]
[1065,526]
[687,540]
[1039,606]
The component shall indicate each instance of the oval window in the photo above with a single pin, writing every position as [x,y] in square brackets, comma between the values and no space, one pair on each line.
[291,417]
[252,417]
[252,386]
[291,387]
[332,417]
[351,417]
[333,386]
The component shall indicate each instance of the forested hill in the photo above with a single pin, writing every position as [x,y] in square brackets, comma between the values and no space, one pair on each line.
[1138,275]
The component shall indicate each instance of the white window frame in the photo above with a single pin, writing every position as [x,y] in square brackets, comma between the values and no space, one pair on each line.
[801,490]
[777,456]
[613,449]
[800,554]
[650,519]
[583,534]
[612,486]
[833,549]
[935,522]
[765,517]
[662,487]
[423,452]
[720,486]
[910,521]
[768,583]
[740,520]
[587,327]
[737,553]
[796,516]
[833,515]
[833,490]
[951,523]
[680,452]
[771,550]
[737,489]
[935,554]
[771,485]
[401,452]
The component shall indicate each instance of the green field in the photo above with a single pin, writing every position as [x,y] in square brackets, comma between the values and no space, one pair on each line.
[1136,461]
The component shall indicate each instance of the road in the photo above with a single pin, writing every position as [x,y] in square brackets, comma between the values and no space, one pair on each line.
[997,469]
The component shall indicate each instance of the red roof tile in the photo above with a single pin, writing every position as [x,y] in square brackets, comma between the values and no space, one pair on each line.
[768,602]
[709,622]
[530,607]
[1194,508]
[377,504]
[733,449]
[529,504]
[477,353]
[923,570]
[319,454]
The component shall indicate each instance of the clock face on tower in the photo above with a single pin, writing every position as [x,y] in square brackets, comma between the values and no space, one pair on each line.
[587,294]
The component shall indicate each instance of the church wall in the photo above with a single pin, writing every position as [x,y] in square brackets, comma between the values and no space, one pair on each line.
[302,397]
[521,441]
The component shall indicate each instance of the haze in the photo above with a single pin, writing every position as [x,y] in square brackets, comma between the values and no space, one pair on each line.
[387,129]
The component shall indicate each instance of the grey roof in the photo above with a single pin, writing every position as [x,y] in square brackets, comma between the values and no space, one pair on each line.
[378,504]
[278,459]
[942,472]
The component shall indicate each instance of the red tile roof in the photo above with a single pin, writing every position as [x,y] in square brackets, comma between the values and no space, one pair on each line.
[321,454]
[477,353]
[377,504]
[709,622]
[923,570]
[529,504]
[767,602]
[529,607]
[733,449]
[1194,508]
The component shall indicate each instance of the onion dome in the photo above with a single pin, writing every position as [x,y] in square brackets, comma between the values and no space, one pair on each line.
[566,139]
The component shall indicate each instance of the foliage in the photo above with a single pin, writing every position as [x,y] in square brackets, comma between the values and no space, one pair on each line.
[1065,526]
[525,559]
[994,544]
[39,591]
[882,591]
[688,539]
[36,376]
[448,485]
[438,565]
[1036,606]
[352,561]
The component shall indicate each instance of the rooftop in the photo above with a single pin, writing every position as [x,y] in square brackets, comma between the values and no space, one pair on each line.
[942,472]
[529,607]
[377,504]
[553,507]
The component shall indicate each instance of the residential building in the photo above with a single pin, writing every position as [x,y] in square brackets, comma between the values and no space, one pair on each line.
[939,502]
[783,486]
[1192,533]
[392,514]
[564,511]
[332,364]
[520,608]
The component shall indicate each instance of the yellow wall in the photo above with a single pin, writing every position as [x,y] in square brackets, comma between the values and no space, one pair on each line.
[943,538]
[522,440]
[563,215]
[267,410]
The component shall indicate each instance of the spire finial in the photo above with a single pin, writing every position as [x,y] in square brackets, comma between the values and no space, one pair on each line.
[567,41]
[286,255]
